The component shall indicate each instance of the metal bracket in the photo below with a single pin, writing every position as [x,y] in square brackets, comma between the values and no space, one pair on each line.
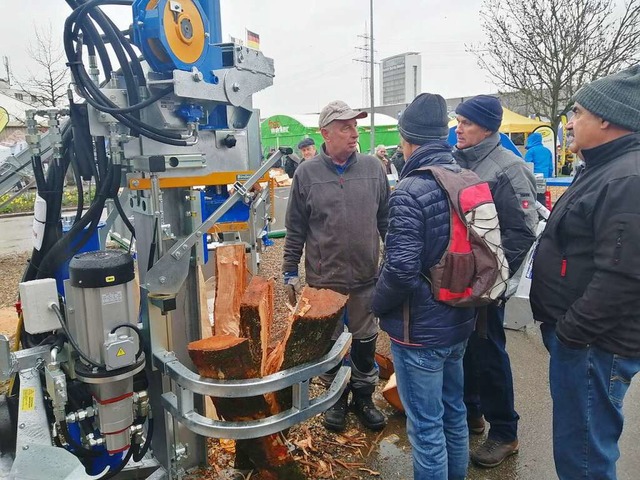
[181,405]
[173,267]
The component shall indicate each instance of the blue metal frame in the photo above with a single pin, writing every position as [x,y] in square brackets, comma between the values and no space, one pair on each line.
[148,27]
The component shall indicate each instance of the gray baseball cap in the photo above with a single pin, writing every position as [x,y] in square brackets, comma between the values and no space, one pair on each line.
[338,110]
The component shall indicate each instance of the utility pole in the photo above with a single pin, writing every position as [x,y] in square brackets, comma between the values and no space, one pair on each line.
[367,59]
[371,82]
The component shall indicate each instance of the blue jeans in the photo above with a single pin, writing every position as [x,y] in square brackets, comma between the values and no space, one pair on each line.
[587,386]
[430,384]
[488,381]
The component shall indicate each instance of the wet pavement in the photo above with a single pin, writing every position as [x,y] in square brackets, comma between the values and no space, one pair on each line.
[533,403]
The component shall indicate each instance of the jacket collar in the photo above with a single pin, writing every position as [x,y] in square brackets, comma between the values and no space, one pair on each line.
[329,161]
[611,150]
[430,154]
[481,150]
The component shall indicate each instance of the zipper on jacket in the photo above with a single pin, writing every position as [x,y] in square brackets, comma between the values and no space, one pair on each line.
[341,181]
[563,265]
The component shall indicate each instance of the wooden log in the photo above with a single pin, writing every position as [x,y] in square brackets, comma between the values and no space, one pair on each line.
[231,280]
[307,337]
[228,357]
[256,317]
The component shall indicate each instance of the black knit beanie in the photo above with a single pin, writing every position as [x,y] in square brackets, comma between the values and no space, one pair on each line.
[615,98]
[483,110]
[425,119]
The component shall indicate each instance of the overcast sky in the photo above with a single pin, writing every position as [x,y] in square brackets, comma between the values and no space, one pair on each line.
[313,43]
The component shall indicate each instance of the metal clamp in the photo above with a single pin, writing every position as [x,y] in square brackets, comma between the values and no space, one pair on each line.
[181,405]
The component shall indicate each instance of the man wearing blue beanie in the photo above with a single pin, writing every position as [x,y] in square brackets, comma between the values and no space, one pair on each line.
[586,280]
[487,374]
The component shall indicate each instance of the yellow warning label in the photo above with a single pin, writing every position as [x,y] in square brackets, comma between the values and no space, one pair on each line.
[110,279]
[121,353]
[28,399]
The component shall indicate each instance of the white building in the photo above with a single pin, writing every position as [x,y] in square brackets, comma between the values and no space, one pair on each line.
[401,78]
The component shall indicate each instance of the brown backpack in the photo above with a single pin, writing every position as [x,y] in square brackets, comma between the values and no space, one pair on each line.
[473,270]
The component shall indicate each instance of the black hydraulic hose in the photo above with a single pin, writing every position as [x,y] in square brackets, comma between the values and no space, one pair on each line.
[147,443]
[79,187]
[72,340]
[78,449]
[59,251]
[123,215]
[97,42]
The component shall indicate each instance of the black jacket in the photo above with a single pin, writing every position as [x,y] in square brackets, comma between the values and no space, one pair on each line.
[586,273]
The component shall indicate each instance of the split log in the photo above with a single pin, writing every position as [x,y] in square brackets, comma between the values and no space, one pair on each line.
[226,357]
[391,395]
[256,317]
[307,337]
[232,276]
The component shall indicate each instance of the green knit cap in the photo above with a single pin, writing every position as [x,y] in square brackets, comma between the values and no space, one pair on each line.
[615,98]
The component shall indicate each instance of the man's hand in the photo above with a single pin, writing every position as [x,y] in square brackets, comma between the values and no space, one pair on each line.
[292,286]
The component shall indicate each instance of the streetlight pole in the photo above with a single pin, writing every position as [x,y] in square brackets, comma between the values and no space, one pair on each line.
[371,83]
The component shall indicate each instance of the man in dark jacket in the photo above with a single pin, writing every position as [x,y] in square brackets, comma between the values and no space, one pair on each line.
[307,147]
[428,337]
[337,212]
[586,280]
[488,378]
[539,155]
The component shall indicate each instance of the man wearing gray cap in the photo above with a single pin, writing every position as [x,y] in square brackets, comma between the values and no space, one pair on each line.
[337,213]
[586,280]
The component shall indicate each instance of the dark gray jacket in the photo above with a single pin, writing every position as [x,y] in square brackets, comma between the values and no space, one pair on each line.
[338,219]
[513,187]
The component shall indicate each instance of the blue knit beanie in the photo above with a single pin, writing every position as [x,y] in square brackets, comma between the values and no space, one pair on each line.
[615,98]
[483,110]
[425,119]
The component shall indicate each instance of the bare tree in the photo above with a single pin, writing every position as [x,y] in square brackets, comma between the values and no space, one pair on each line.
[545,50]
[47,83]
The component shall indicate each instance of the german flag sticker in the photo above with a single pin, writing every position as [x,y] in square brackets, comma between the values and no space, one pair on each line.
[110,279]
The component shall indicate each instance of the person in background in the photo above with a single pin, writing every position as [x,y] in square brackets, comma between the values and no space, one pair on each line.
[381,154]
[539,155]
[586,280]
[428,345]
[398,160]
[337,213]
[488,378]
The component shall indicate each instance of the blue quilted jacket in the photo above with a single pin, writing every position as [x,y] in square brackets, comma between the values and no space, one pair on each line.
[417,237]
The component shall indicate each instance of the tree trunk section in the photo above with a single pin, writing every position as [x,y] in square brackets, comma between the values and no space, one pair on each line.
[307,338]
[256,317]
[231,280]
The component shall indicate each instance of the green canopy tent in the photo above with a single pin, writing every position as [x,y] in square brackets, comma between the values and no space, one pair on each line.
[287,130]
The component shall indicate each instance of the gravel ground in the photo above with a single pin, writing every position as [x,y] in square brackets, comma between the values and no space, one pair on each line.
[12,267]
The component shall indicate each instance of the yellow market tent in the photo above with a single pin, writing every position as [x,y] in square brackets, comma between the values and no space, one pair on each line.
[513,122]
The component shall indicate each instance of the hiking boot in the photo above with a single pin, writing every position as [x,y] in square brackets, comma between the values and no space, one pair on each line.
[493,452]
[335,419]
[372,418]
[476,425]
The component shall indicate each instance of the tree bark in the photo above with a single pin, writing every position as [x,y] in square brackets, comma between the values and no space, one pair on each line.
[231,265]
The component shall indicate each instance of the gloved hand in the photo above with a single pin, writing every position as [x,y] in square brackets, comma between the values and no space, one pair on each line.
[292,286]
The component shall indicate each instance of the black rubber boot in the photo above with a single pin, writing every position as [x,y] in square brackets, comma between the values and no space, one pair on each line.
[335,419]
[364,408]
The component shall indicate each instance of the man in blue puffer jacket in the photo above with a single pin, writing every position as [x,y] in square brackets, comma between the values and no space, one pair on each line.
[539,155]
[428,338]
